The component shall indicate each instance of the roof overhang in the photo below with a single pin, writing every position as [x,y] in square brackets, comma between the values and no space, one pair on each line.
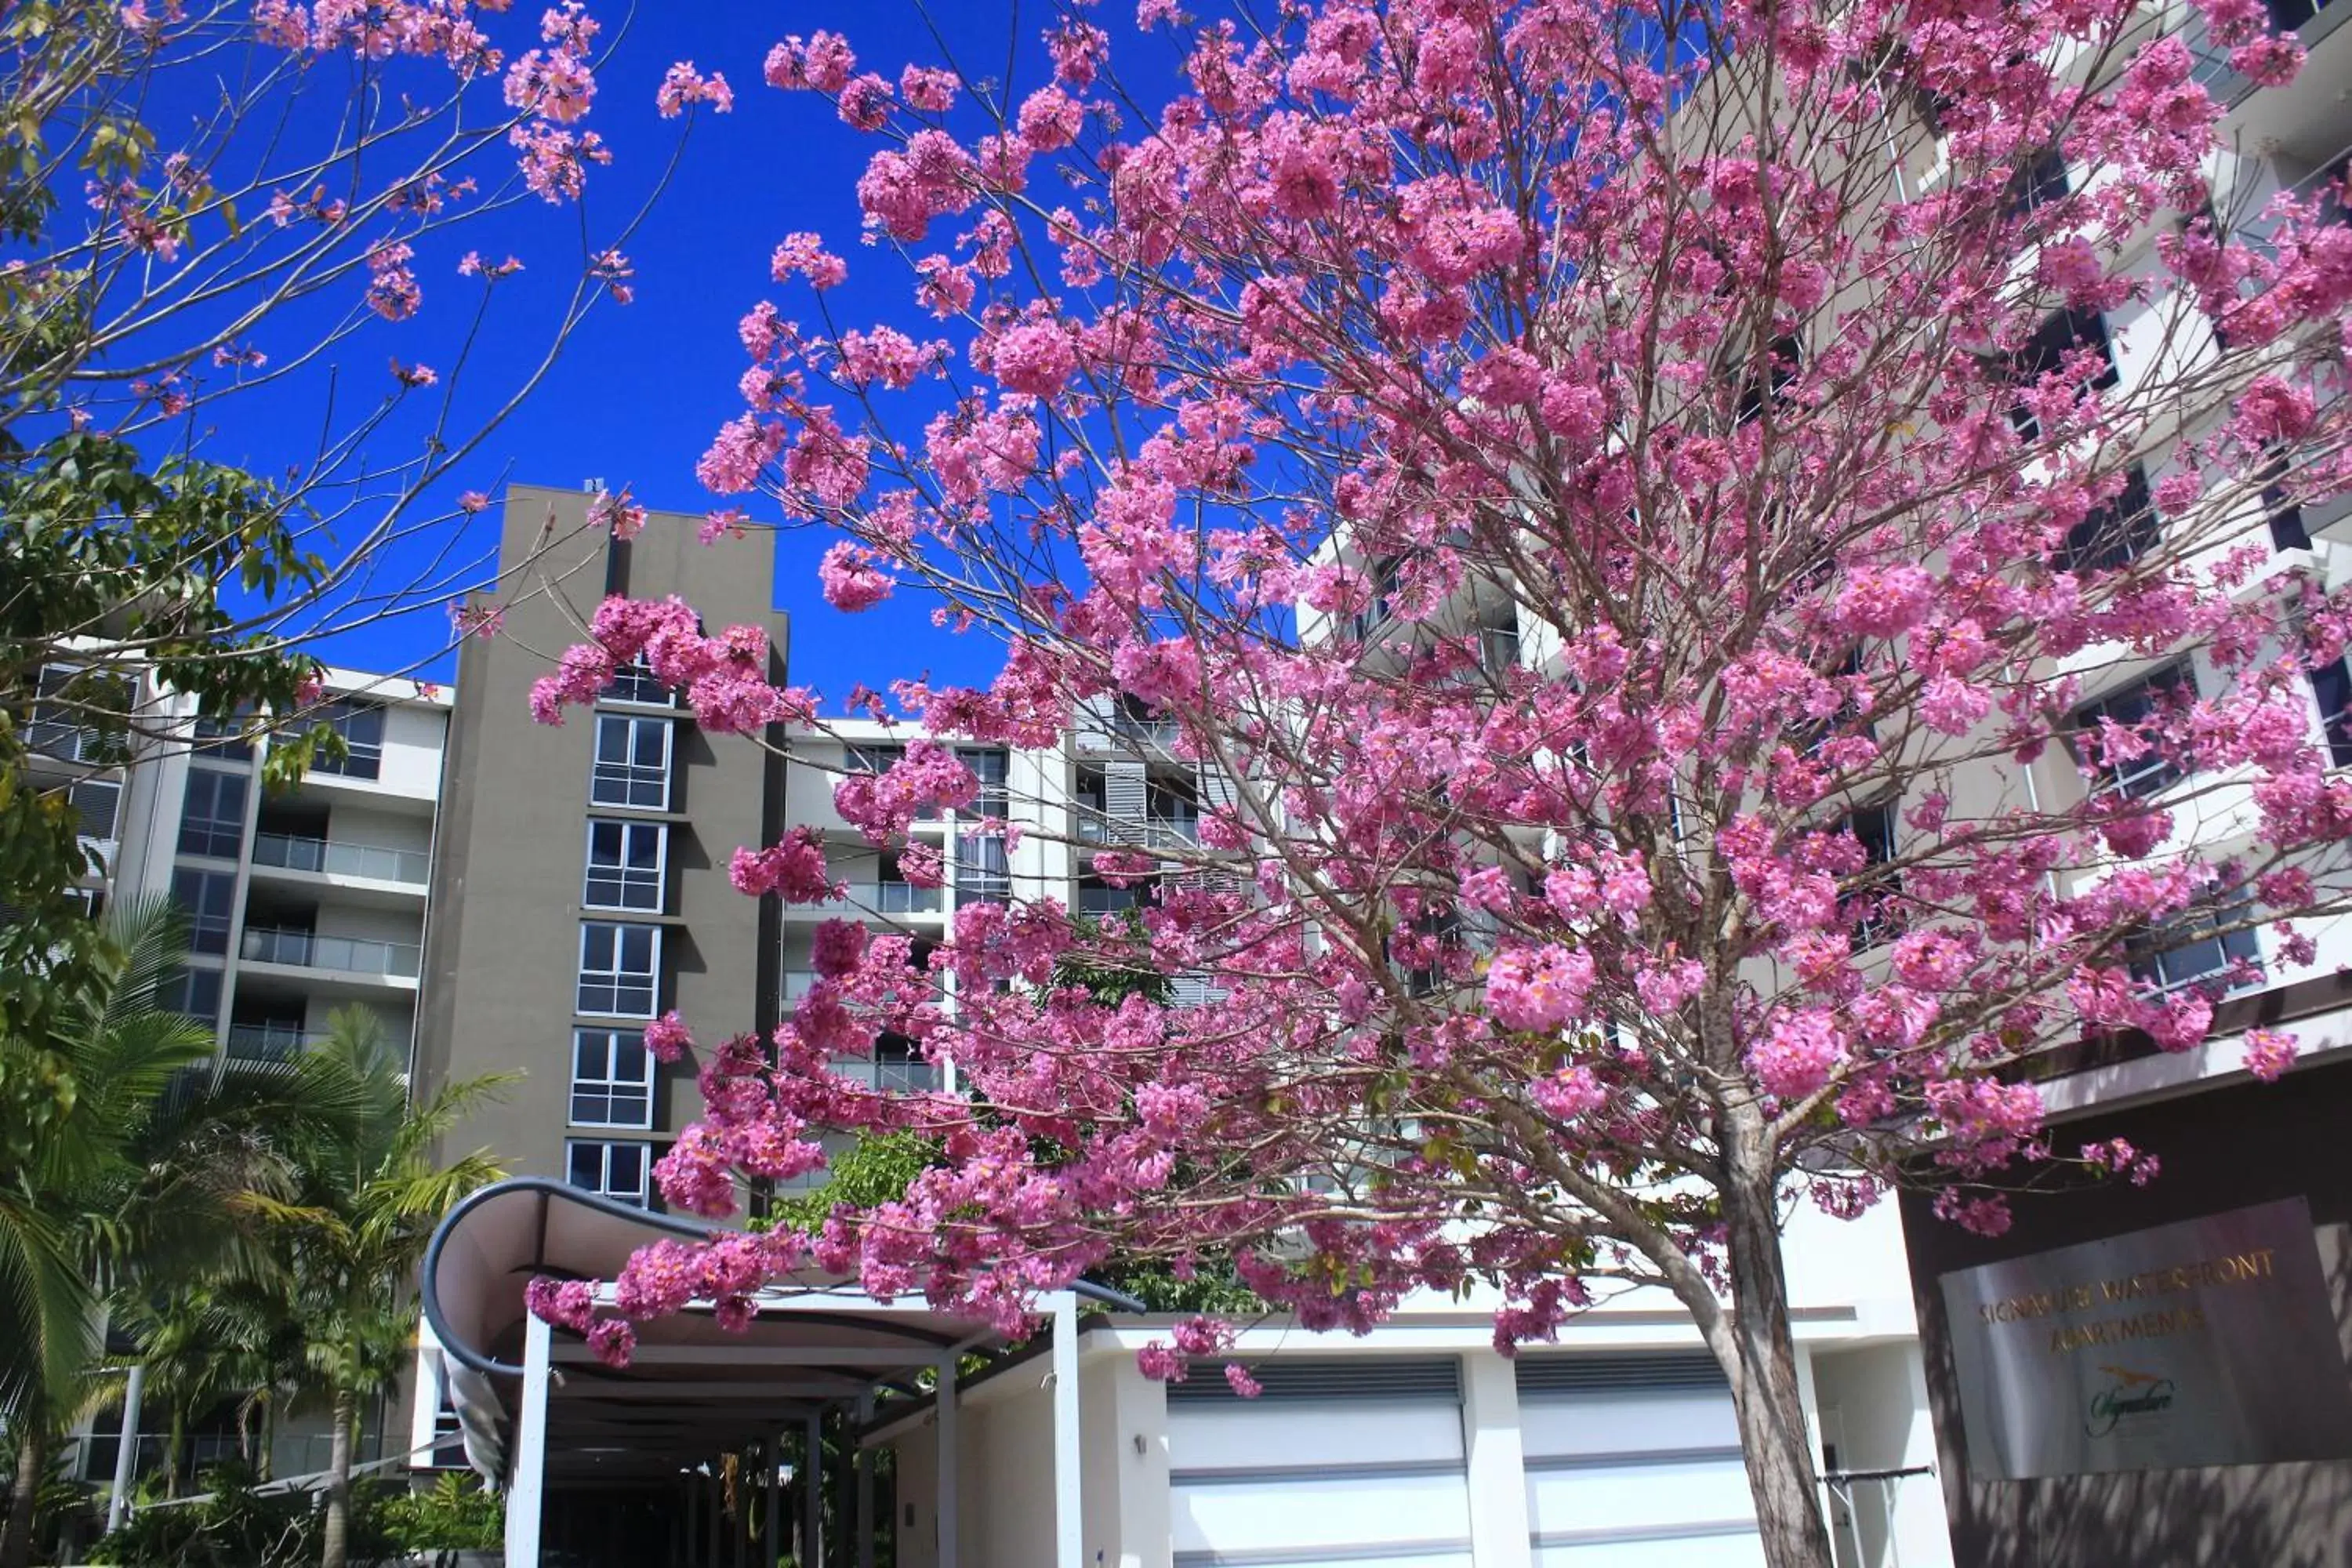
[693,1389]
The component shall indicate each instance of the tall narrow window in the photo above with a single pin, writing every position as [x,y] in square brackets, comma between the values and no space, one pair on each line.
[2331,687]
[619,970]
[361,724]
[632,768]
[2061,341]
[613,1169]
[981,874]
[988,766]
[207,901]
[626,863]
[1868,900]
[612,1079]
[195,992]
[212,815]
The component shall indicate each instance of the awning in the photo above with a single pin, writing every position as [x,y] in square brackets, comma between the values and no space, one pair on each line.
[693,1389]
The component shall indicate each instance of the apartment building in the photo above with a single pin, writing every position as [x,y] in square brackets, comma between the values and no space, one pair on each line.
[2093,1433]
[582,890]
[299,901]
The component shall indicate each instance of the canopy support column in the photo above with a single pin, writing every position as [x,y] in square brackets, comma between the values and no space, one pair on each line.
[528,1476]
[1069,1517]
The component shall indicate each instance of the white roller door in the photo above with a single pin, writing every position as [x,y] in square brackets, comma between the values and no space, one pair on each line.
[1634,1461]
[1341,1463]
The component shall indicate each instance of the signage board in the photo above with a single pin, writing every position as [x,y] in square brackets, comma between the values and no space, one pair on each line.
[2206,1343]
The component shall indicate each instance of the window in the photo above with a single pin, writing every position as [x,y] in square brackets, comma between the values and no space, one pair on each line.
[632,763]
[634,683]
[2038,184]
[894,895]
[208,899]
[618,970]
[2153,771]
[212,815]
[2114,535]
[361,724]
[872,759]
[1786,358]
[1867,904]
[1387,573]
[626,865]
[2200,943]
[67,701]
[2063,338]
[1171,808]
[982,876]
[616,1170]
[195,992]
[987,764]
[225,738]
[612,1079]
[2331,685]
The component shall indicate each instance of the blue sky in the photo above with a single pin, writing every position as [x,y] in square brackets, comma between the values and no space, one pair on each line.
[641,389]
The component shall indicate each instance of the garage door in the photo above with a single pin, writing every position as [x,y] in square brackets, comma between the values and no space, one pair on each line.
[1634,1461]
[1341,1463]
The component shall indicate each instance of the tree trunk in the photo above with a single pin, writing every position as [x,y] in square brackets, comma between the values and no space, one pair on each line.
[334,1538]
[32,1463]
[1773,1438]
[172,1443]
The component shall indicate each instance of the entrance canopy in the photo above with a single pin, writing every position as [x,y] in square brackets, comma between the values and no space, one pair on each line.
[539,1408]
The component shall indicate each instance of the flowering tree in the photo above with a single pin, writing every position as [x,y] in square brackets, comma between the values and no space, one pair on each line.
[215,211]
[1638,499]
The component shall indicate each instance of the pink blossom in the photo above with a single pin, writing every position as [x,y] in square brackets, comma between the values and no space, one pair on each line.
[1538,988]
[683,87]
[852,578]
[666,1037]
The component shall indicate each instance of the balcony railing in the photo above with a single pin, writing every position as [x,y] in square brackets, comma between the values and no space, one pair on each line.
[269,1042]
[346,954]
[340,857]
[890,1075]
[1095,826]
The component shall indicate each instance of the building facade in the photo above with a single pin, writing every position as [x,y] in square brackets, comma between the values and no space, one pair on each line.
[582,891]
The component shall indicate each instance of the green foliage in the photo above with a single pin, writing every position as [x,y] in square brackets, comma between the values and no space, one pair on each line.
[134,556]
[238,1527]
[871,1170]
[456,1513]
[1103,975]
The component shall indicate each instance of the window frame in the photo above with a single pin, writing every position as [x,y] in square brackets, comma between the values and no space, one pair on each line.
[615,979]
[361,758]
[622,874]
[629,769]
[629,683]
[2190,929]
[2151,775]
[611,1088]
[641,1197]
[202,922]
[2115,533]
[220,779]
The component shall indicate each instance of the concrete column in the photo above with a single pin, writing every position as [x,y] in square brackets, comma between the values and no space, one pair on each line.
[1919,1528]
[950,1462]
[865,1465]
[126,1454]
[1069,1504]
[812,1493]
[527,1473]
[1500,1525]
[773,1448]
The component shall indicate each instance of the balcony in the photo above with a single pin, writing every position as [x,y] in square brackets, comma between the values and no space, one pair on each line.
[877,897]
[890,1075]
[269,1042]
[340,857]
[392,961]
[1156,832]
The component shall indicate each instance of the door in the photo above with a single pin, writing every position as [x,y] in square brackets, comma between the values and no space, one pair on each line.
[1352,1462]
[1632,1461]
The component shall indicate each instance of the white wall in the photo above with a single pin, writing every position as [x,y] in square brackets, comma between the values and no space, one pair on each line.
[1879,1398]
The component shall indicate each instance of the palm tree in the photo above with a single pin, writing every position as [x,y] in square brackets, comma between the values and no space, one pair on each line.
[128,1193]
[64,1231]
[349,1232]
